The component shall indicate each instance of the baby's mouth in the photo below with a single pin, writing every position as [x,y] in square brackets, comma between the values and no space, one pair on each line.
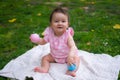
[60,27]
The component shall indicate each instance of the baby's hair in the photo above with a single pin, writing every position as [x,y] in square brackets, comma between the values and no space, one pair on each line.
[59,10]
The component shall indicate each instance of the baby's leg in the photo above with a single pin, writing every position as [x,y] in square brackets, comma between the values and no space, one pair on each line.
[45,64]
[77,62]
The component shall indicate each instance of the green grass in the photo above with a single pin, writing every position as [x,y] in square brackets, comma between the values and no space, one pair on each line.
[92,21]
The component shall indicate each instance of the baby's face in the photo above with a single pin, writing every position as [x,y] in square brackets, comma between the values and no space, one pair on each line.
[59,23]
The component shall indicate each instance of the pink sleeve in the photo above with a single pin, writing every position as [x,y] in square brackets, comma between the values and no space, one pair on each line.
[71,31]
[46,34]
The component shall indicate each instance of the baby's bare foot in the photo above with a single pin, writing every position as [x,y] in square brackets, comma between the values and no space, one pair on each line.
[40,70]
[71,73]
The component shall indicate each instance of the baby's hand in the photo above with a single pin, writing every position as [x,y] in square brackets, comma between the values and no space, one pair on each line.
[35,38]
[70,60]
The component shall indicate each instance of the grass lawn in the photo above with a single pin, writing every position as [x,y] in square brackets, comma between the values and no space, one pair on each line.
[96,24]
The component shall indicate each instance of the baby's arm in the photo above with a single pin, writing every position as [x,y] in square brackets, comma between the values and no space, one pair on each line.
[72,51]
[42,41]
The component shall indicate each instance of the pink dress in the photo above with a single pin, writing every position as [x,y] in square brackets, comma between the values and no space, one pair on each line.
[58,45]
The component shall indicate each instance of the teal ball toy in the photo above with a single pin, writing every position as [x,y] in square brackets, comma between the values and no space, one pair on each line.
[72,67]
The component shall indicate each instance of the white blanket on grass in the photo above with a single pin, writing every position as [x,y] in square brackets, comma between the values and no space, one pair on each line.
[92,66]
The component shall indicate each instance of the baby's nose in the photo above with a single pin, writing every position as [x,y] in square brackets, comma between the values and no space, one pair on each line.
[60,23]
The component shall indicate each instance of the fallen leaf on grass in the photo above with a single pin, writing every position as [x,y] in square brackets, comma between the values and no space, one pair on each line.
[88,43]
[116,26]
[39,14]
[12,20]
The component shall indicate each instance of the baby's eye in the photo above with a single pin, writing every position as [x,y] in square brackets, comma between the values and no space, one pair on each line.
[56,21]
[63,21]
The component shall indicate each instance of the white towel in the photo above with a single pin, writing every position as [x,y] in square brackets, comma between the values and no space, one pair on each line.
[92,66]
